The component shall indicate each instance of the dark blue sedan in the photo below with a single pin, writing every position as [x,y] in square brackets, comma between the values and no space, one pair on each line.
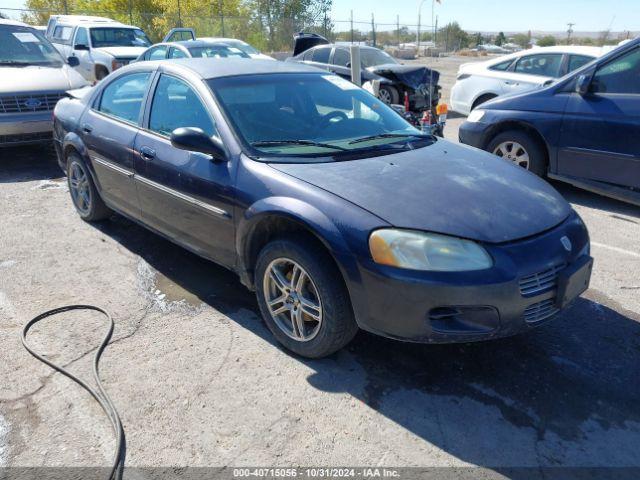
[338,213]
[584,129]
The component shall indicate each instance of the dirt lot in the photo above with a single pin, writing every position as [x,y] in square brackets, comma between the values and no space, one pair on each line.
[199,381]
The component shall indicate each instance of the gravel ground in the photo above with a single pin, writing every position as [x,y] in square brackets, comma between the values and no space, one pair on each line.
[199,381]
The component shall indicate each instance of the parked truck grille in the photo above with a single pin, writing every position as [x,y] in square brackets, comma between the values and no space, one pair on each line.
[540,311]
[26,102]
[541,281]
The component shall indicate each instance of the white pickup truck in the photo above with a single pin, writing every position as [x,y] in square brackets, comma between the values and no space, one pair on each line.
[101,45]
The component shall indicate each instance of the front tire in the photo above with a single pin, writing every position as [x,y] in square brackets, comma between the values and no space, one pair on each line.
[520,148]
[303,299]
[84,195]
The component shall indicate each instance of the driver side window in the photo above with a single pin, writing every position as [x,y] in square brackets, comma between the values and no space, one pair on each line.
[82,38]
[176,105]
[622,75]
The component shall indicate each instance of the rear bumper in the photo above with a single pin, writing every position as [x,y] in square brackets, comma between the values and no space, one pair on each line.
[447,307]
[20,129]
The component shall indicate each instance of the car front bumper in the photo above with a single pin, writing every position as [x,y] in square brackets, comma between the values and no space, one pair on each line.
[474,134]
[517,294]
[25,128]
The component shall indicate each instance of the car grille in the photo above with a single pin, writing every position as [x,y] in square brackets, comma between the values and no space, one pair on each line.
[537,312]
[541,281]
[27,102]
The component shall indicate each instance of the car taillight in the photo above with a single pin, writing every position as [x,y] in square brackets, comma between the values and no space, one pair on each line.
[462,76]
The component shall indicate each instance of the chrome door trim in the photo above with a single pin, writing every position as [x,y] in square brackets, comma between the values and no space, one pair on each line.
[185,198]
[116,168]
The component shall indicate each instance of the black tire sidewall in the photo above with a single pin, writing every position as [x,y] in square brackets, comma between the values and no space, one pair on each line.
[393,92]
[537,158]
[338,324]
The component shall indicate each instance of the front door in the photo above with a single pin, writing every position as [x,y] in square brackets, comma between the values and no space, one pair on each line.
[600,136]
[109,130]
[82,50]
[185,195]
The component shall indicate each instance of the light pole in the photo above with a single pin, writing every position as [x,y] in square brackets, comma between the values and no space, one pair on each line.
[418,33]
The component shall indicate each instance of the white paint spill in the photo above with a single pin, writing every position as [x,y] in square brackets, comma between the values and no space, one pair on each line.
[7,263]
[4,441]
[616,249]
[6,307]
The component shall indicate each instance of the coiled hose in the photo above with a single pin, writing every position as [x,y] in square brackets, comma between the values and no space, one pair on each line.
[99,394]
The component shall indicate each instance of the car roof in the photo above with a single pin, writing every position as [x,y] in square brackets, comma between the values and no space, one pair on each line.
[198,43]
[222,39]
[209,68]
[15,23]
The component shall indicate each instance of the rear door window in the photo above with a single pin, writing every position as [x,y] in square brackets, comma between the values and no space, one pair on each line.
[123,97]
[321,55]
[577,61]
[341,57]
[542,64]
[176,53]
[62,34]
[502,66]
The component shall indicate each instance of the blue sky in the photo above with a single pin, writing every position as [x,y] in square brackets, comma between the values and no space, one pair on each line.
[489,15]
[501,15]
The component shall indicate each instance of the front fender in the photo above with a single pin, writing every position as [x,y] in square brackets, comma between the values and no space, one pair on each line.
[297,211]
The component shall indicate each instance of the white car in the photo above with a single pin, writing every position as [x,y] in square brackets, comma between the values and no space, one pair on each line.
[33,77]
[239,44]
[481,81]
[101,45]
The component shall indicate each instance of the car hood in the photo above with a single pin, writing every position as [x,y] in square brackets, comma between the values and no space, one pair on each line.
[444,188]
[39,79]
[411,75]
[123,52]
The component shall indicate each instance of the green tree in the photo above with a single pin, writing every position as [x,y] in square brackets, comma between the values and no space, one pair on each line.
[521,39]
[501,39]
[454,36]
[547,41]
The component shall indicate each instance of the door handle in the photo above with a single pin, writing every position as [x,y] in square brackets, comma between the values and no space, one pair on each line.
[86,128]
[147,153]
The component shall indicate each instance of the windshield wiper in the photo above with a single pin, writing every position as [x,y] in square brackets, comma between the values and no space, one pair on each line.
[389,135]
[269,143]
[14,62]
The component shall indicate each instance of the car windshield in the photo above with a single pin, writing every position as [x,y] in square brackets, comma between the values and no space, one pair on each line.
[245,47]
[304,117]
[216,51]
[371,57]
[118,37]
[23,46]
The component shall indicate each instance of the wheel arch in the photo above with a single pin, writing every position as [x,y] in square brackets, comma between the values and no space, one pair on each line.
[521,126]
[486,93]
[273,217]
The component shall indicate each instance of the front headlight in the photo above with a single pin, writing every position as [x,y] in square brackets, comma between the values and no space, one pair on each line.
[475,116]
[427,251]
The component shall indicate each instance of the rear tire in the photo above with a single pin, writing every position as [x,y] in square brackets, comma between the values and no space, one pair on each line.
[330,324]
[388,95]
[520,148]
[84,195]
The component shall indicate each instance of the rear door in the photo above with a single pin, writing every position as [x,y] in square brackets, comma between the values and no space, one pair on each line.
[600,136]
[531,70]
[184,195]
[109,129]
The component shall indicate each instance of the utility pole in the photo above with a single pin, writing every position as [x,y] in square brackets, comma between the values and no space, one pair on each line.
[398,30]
[373,30]
[221,12]
[569,32]
[66,7]
[179,15]
[352,26]
[130,12]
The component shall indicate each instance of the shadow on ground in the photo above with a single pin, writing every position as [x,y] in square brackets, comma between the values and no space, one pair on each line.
[26,164]
[557,384]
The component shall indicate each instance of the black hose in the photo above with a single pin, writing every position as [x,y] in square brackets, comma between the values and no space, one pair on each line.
[100,395]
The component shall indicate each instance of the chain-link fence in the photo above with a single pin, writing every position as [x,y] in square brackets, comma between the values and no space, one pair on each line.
[266,33]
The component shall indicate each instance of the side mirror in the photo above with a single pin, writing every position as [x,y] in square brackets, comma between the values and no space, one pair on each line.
[582,84]
[73,61]
[80,46]
[195,140]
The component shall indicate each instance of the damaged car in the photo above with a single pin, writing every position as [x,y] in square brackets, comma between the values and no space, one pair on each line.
[416,86]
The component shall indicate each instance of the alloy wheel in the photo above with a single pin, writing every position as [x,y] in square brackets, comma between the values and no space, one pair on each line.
[292,299]
[80,188]
[385,96]
[514,152]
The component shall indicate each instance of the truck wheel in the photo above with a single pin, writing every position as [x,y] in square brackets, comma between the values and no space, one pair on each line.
[84,194]
[388,95]
[303,299]
[520,148]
